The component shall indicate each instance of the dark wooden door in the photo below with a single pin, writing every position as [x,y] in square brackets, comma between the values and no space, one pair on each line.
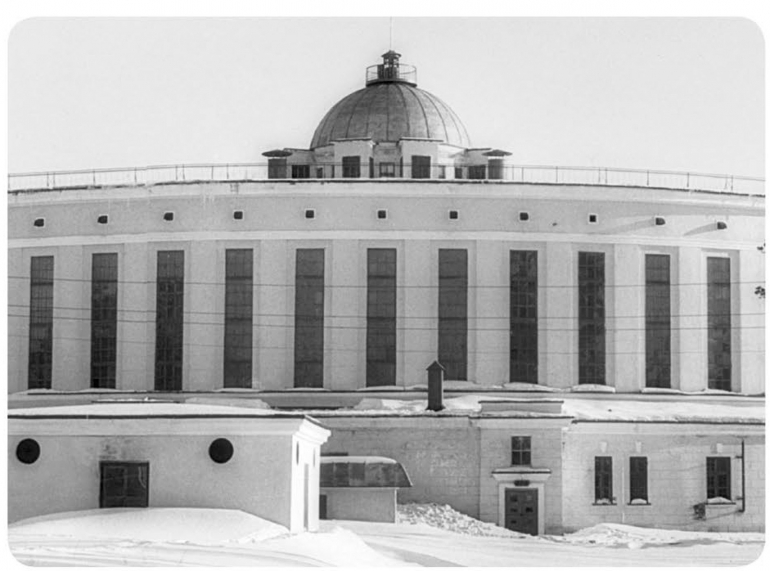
[124,485]
[521,510]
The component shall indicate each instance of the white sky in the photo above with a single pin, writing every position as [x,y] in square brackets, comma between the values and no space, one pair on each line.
[657,93]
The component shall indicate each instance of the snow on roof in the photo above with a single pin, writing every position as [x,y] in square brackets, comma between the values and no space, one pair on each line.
[664,411]
[143,408]
[582,409]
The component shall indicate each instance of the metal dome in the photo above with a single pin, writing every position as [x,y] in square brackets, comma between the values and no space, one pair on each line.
[390,108]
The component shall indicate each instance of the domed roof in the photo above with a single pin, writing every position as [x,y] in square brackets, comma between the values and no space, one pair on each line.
[390,108]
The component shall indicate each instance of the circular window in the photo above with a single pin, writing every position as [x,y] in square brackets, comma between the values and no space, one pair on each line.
[28,451]
[221,450]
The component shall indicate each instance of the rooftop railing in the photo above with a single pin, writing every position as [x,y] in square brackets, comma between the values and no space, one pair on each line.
[525,174]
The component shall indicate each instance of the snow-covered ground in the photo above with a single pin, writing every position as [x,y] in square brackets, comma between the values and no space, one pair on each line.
[426,535]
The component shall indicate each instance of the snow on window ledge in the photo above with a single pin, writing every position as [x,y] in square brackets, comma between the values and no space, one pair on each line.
[639,502]
[604,502]
[591,388]
[719,501]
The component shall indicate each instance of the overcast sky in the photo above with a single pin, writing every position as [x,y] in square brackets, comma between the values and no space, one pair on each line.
[663,93]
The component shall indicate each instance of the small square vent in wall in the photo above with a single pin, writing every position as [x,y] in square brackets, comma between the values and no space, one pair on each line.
[593,218]
[39,222]
[103,219]
[168,216]
[309,213]
[382,214]
[523,216]
[454,215]
[238,215]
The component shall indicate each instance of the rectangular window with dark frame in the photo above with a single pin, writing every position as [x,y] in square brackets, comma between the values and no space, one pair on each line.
[591,330]
[521,451]
[104,320]
[657,312]
[169,321]
[381,317]
[420,166]
[453,313]
[603,480]
[239,302]
[40,322]
[309,318]
[276,168]
[458,172]
[719,324]
[351,167]
[300,171]
[638,480]
[477,172]
[495,169]
[523,309]
[718,484]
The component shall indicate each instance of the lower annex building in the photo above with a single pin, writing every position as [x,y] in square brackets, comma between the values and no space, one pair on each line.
[599,327]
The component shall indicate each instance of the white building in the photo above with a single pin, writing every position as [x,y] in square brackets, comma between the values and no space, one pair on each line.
[390,243]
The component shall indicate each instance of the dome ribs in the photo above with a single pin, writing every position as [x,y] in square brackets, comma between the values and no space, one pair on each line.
[390,112]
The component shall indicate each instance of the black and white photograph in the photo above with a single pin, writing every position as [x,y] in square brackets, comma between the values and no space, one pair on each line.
[385,291]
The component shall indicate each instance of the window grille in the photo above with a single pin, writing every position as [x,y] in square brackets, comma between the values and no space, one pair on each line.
[309,318]
[591,363]
[453,313]
[169,321]
[351,167]
[420,166]
[719,324]
[239,295]
[381,317]
[718,483]
[523,316]
[40,322]
[658,320]
[300,171]
[104,319]
[521,451]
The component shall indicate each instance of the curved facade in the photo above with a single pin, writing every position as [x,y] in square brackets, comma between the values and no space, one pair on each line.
[625,298]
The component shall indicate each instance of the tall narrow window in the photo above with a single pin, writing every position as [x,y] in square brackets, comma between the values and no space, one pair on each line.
[495,169]
[351,167]
[239,288]
[40,322]
[381,317]
[453,313]
[420,166]
[603,480]
[523,307]
[169,321]
[658,320]
[104,320]
[309,319]
[718,483]
[638,480]
[719,324]
[591,366]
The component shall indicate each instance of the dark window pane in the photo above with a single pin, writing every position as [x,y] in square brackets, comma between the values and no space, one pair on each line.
[477,172]
[276,168]
[420,166]
[239,295]
[104,319]
[523,319]
[658,320]
[381,317]
[718,484]
[351,167]
[300,171]
[453,313]
[521,450]
[40,322]
[603,479]
[169,321]
[638,469]
[719,325]
[309,318]
[591,364]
